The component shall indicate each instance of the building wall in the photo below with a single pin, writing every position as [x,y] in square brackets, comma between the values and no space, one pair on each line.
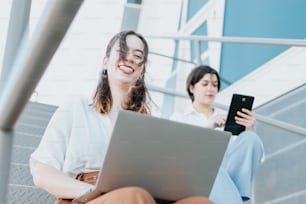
[262,19]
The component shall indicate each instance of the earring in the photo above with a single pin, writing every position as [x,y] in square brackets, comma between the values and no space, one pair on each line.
[104,72]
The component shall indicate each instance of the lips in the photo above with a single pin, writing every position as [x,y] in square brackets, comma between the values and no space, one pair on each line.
[126,69]
[210,95]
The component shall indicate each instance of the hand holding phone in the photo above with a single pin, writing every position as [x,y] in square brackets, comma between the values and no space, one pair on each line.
[245,118]
[238,102]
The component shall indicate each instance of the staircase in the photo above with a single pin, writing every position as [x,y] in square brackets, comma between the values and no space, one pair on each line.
[28,132]
[282,179]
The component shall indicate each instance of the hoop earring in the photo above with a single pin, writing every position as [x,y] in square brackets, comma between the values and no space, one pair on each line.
[104,73]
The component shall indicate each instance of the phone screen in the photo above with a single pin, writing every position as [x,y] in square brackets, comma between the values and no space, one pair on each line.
[238,102]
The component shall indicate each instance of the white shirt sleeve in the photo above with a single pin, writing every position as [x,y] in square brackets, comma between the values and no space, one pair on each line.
[52,147]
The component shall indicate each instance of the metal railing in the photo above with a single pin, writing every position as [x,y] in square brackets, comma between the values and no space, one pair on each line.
[173,58]
[26,72]
[184,61]
[267,120]
[239,40]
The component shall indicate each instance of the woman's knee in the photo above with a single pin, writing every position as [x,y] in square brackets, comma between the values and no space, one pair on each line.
[134,190]
[252,142]
[250,138]
[128,195]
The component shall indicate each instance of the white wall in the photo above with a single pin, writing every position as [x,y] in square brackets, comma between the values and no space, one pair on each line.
[76,66]
[213,14]
[159,17]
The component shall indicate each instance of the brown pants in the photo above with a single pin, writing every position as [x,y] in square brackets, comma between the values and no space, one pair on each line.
[127,195]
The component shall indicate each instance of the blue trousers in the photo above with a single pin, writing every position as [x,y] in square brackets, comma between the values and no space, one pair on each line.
[233,183]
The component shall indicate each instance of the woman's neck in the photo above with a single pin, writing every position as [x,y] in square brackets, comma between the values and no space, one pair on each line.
[206,109]
[120,94]
[120,97]
[116,107]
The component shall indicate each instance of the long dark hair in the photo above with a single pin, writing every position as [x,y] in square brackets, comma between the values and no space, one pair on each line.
[102,100]
[197,74]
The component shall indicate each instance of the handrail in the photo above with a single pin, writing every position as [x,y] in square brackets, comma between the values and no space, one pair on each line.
[168,91]
[186,61]
[174,58]
[29,66]
[17,31]
[241,40]
[264,119]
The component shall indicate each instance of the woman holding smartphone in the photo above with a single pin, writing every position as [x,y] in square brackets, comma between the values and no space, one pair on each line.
[244,153]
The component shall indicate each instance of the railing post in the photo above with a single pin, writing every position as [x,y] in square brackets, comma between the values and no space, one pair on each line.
[17,29]
[27,69]
[6,141]
[197,46]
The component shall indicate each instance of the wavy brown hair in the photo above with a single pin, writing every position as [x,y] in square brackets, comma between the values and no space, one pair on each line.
[102,100]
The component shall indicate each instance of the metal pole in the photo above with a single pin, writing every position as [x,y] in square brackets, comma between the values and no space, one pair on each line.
[173,58]
[239,40]
[197,47]
[282,125]
[17,30]
[28,68]
[6,141]
[168,91]
[18,27]
[273,122]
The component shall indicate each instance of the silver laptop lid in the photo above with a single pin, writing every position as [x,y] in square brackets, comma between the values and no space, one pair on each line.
[169,159]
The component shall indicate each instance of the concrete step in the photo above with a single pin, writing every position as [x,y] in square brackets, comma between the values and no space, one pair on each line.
[20,194]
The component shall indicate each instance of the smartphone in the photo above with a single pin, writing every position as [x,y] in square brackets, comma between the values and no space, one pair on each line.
[238,102]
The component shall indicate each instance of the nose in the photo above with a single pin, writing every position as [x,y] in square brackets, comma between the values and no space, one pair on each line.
[210,87]
[129,57]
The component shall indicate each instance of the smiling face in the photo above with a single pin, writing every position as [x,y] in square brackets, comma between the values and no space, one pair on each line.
[205,90]
[127,69]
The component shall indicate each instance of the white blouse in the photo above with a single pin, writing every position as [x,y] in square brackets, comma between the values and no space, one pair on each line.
[191,116]
[75,140]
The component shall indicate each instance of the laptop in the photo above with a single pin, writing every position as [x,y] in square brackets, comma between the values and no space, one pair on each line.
[171,160]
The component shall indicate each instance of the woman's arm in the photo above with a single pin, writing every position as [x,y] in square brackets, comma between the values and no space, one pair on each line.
[56,182]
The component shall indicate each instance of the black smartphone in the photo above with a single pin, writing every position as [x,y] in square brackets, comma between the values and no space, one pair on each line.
[238,102]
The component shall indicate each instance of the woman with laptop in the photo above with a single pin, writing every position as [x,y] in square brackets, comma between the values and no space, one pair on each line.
[245,151]
[72,150]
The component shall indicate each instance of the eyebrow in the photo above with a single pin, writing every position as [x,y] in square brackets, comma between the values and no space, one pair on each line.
[134,50]
[204,80]
[138,50]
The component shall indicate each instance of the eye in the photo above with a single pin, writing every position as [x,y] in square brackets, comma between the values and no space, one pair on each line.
[138,56]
